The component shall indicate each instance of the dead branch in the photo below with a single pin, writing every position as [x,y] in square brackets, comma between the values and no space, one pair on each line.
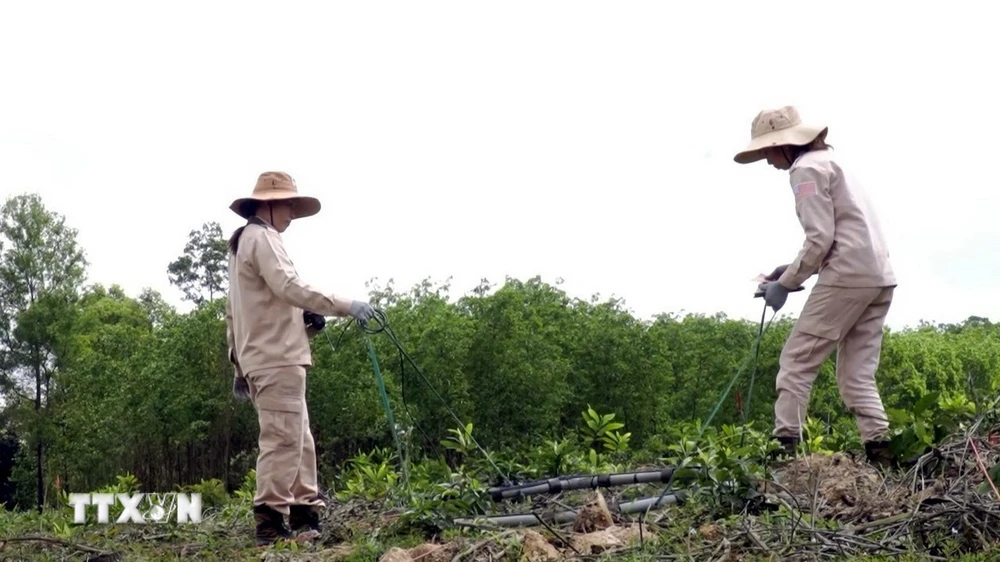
[57,542]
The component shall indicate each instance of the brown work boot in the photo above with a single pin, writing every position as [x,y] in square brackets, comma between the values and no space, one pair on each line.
[270,525]
[304,520]
[879,453]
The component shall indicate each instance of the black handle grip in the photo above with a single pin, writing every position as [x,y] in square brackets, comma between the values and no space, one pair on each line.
[313,320]
[760,294]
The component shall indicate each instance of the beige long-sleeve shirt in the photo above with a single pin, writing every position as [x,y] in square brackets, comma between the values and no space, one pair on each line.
[844,240]
[264,324]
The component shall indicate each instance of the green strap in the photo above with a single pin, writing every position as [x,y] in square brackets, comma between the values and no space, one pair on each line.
[388,410]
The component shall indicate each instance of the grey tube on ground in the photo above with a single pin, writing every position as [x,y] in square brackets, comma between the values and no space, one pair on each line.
[556,485]
[529,519]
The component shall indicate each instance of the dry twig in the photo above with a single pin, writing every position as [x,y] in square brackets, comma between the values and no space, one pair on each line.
[58,542]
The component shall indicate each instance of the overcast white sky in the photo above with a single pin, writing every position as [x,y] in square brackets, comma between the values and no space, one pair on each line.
[428,128]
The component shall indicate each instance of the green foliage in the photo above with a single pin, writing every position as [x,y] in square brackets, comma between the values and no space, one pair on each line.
[201,271]
[603,432]
[935,416]
[462,441]
[724,461]
[41,269]
[213,492]
[370,475]
[105,383]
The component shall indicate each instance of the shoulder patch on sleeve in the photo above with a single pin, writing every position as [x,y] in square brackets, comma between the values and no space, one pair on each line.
[804,189]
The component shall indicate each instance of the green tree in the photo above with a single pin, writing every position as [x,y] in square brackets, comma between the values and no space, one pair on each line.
[519,371]
[41,269]
[201,272]
[617,366]
[110,344]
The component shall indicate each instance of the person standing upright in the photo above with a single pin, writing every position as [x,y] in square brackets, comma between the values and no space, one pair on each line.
[270,315]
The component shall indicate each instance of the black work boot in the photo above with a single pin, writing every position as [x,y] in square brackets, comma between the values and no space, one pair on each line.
[304,519]
[788,447]
[879,453]
[270,525]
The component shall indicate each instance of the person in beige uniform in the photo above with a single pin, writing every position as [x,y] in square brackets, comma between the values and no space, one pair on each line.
[270,315]
[847,308]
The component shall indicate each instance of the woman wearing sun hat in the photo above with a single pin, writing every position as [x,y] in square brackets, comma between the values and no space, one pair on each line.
[847,307]
[270,315]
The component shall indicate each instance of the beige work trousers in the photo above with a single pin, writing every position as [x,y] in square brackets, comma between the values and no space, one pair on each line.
[286,463]
[849,320]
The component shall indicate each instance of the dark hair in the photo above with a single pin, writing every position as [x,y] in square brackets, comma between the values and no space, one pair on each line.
[819,143]
[234,240]
[248,208]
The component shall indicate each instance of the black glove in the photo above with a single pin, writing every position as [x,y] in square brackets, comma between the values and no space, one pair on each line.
[775,294]
[315,321]
[778,271]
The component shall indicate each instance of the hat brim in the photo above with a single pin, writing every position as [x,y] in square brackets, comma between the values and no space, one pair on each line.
[799,135]
[305,206]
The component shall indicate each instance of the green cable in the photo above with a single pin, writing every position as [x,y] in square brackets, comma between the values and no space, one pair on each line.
[388,410]
[385,400]
[383,327]
[756,358]
[754,352]
[739,371]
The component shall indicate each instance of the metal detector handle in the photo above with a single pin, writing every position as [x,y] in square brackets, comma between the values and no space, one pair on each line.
[760,294]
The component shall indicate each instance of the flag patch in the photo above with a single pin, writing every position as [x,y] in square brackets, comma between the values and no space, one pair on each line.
[804,189]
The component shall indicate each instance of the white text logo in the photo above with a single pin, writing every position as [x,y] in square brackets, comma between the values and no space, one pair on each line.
[138,508]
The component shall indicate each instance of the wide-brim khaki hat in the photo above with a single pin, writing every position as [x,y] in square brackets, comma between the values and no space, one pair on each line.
[777,127]
[276,186]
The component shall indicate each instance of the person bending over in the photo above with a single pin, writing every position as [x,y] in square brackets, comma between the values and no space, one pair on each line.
[847,307]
